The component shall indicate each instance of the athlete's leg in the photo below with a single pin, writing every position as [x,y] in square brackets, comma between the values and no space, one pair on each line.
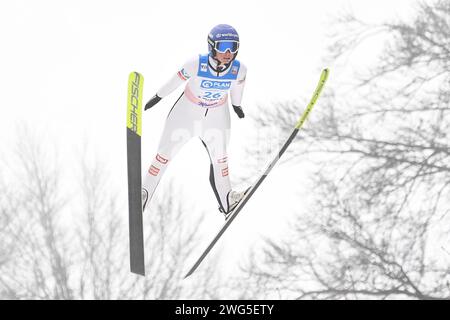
[177,131]
[215,137]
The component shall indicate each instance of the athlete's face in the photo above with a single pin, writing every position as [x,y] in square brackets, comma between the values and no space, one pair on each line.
[224,58]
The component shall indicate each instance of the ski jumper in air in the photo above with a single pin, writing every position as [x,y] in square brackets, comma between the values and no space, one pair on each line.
[202,111]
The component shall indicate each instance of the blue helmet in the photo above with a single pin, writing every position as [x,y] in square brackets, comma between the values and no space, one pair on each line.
[222,38]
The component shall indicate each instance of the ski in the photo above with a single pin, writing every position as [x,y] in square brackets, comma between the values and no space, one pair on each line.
[134,132]
[248,195]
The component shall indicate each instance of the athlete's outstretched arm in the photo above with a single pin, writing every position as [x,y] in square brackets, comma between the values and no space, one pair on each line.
[174,82]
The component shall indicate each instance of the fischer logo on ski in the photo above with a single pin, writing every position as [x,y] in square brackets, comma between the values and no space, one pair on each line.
[134,103]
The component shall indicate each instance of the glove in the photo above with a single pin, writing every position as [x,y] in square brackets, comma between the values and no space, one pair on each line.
[239,111]
[154,100]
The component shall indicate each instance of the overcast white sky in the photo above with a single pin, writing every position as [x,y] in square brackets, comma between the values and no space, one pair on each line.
[64,68]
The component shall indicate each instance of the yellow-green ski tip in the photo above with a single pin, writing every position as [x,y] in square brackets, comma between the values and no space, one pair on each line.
[312,102]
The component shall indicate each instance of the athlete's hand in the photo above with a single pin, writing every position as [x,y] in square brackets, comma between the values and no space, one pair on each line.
[239,111]
[154,100]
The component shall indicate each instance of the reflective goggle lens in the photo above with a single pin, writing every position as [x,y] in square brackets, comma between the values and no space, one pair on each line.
[223,46]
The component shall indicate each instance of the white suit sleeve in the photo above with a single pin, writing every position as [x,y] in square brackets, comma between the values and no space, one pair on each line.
[187,71]
[237,89]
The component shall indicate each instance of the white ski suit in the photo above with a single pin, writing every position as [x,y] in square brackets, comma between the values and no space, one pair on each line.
[201,111]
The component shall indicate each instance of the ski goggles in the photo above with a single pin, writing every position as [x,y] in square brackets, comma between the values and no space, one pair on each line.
[226,45]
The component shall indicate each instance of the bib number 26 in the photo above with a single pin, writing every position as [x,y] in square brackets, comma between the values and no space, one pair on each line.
[212,95]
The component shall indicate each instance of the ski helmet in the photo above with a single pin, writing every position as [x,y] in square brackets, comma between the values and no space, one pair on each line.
[222,38]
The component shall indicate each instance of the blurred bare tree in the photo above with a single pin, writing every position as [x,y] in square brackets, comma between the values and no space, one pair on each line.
[63,241]
[38,262]
[379,225]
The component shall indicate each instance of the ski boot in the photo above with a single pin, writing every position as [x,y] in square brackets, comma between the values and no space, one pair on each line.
[233,199]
